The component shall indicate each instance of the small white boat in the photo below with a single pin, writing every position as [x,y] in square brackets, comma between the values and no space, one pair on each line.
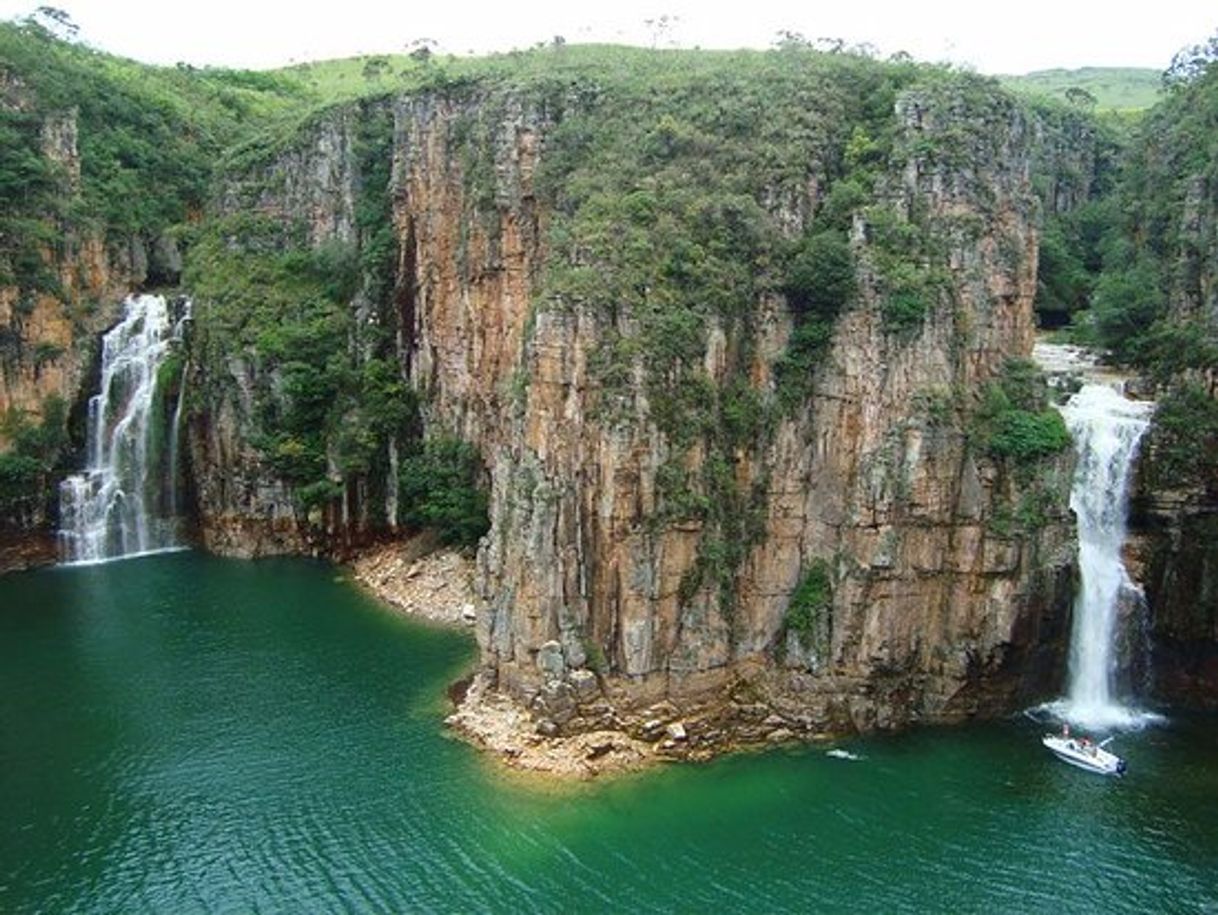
[1081,752]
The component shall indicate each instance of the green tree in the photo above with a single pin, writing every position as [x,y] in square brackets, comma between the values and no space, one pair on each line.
[820,280]
[441,490]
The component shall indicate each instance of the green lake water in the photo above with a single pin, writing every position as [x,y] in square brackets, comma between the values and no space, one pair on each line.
[183,734]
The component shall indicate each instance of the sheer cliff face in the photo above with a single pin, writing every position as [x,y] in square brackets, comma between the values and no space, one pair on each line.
[1173,202]
[933,613]
[43,334]
[468,266]
[1173,519]
[48,331]
[243,508]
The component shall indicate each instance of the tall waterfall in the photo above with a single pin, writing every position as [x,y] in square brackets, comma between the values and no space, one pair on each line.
[123,502]
[1106,427]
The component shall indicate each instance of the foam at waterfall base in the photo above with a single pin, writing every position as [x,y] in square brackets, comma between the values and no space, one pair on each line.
[106,560]
[1105,717]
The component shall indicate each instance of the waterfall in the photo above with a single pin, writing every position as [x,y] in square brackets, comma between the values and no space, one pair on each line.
[175,426]
[1106,427]
[117,505]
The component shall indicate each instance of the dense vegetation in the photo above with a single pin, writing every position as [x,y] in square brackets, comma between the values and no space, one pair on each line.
[1135,264]
[676,185]
[810,611]
[148,139]
[27,468]
[677,188]
[441,489]
[1016,420]
[676,191]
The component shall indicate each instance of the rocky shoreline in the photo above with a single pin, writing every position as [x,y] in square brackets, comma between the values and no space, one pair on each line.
[501,726]
[432,585]
[438,587]
[598,730]
[604,737]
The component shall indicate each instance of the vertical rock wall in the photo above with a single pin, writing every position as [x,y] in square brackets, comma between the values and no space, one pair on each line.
[934,613]
[48,336]
[938,610]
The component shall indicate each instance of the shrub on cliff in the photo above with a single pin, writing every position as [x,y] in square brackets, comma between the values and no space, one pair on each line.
[20,483]
[1160,254]
[1015,420]
[439,490]
[1184,441]
[1026,436]
[820,278]
[26,469]
[810,602]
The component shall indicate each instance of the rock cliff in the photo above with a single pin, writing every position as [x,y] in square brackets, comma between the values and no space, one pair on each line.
[55,300]
[724,335]
[1175,535]
[934,614]
[1169,258]
[650,526]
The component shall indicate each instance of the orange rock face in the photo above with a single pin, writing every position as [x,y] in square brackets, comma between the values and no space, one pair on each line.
[938,610]
[933,610]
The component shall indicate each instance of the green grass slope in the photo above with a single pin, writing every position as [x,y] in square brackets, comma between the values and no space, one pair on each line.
[1122,89]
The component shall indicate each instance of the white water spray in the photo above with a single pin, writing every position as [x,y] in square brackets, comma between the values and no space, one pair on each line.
[1106,428]
[116,506]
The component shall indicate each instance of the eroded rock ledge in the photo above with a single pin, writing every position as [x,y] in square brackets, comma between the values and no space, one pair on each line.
[584,726]
[581,725]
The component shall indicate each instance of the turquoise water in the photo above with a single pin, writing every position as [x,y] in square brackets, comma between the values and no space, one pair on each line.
[188,734]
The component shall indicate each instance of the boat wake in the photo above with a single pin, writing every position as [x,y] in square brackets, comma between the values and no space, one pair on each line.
[843,754]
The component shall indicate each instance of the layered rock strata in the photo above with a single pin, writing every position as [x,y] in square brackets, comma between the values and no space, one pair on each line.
[600,604]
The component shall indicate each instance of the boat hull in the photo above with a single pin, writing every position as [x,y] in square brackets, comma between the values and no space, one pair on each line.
[1090,758]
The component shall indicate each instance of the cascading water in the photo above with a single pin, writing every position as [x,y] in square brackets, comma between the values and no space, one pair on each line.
[1106,427]
[122,504]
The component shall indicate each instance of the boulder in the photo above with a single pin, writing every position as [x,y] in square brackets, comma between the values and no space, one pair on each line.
[584,683]
[550,660]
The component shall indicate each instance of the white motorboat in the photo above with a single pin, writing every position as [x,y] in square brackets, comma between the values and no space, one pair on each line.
[1084,753]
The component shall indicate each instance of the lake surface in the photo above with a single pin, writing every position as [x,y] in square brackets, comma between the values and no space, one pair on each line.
[182,734]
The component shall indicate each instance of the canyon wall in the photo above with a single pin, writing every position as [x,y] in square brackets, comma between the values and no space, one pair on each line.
[49,327]
[935,614]
[1170,256]
[948,598]
[728,333]
[701,487]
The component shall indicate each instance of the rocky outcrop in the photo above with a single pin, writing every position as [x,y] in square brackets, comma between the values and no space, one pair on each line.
[1074,158]
[308,190]
[242,509]
[305,197]
[1169,192]
[935,615]
[1175,545]
[470,256]
[421,579]
[604,605]
[49,331]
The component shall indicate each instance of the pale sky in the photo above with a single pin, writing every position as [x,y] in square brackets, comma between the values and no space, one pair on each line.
[1008,37]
